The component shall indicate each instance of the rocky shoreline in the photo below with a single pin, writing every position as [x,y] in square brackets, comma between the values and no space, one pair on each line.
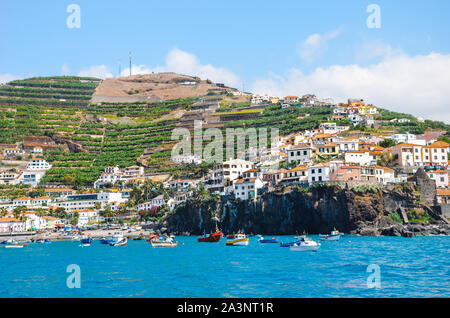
[291,210]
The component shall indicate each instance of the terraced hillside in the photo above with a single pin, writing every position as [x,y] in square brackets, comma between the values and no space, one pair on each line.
[99,135]
[94,135]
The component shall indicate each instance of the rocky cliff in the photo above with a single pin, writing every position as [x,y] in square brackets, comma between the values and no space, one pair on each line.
[291,210]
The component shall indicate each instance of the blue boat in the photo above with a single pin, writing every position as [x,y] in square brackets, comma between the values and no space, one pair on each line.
[105,241]
[263,240]
[86,240]
[289,244]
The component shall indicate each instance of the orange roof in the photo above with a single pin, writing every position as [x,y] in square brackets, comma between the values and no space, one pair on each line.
[245,180]
[44,197]
[4,220]
[439,144]
[443,192]
[298,168]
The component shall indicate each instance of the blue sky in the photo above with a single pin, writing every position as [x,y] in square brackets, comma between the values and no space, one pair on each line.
[250,42]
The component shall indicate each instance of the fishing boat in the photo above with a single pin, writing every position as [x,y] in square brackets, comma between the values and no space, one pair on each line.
[105,240]
[333,236]
[122,242]
[17,245]
[263,240]
[289,244]
[238,240]
[14,244]
[163,242]
[43,241]
[213,237]
[118,239]
[305,244]
[86,240]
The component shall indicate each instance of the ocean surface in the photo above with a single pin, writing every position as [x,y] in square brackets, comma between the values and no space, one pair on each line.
[408,267]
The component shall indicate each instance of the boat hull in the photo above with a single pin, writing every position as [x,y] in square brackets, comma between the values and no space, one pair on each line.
[304,248]
[211,238]
[238,242]
[324,237]
[13,246]
[164,244]
[269,241]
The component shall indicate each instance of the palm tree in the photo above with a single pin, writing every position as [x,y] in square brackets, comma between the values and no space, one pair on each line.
[3,211]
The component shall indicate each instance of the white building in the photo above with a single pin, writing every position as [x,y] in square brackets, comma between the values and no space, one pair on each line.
[361,157]
[88,200]
[301,153]
[318,173]
[245,189]
[38,164]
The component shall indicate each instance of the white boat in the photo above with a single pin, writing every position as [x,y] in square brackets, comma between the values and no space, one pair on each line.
[305,244]
[14,245]
[165,242]
[118,239]
[238,240]
[333,236]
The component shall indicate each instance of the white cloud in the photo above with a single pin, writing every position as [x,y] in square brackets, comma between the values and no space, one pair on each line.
[100,71]
[315,45]
[417,85]
[4,78]
[65,69]
[182,62]
[136,70]
[375,49]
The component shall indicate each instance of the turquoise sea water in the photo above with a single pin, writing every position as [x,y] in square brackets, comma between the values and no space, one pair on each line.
[409,267]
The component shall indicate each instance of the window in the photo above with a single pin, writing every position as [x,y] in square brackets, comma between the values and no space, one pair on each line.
[313,178]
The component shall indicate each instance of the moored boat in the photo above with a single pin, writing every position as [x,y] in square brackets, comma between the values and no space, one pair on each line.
[305,244]
[289,244]
[263,240]
[333,236]
[238,240]
[105,240]
[118,239]
[213,237]
[86,240]
[164,242]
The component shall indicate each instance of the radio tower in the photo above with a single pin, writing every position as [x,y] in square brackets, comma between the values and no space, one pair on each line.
[130,63]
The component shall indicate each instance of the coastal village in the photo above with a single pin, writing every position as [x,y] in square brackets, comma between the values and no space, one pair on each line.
[343,149]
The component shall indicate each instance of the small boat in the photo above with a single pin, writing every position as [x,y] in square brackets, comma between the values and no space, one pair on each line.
[138,238]
[85,244]
[165,242]
[11,243]
[333,236]
[305,244]
[42,241]
[86,240]
[14,245]
[122,242]
[263,240]
[289,244]
[105,240]
[118,239]
[213,237]
[238,240]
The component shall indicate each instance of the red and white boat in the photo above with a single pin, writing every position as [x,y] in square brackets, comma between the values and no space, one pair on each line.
[211,238]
